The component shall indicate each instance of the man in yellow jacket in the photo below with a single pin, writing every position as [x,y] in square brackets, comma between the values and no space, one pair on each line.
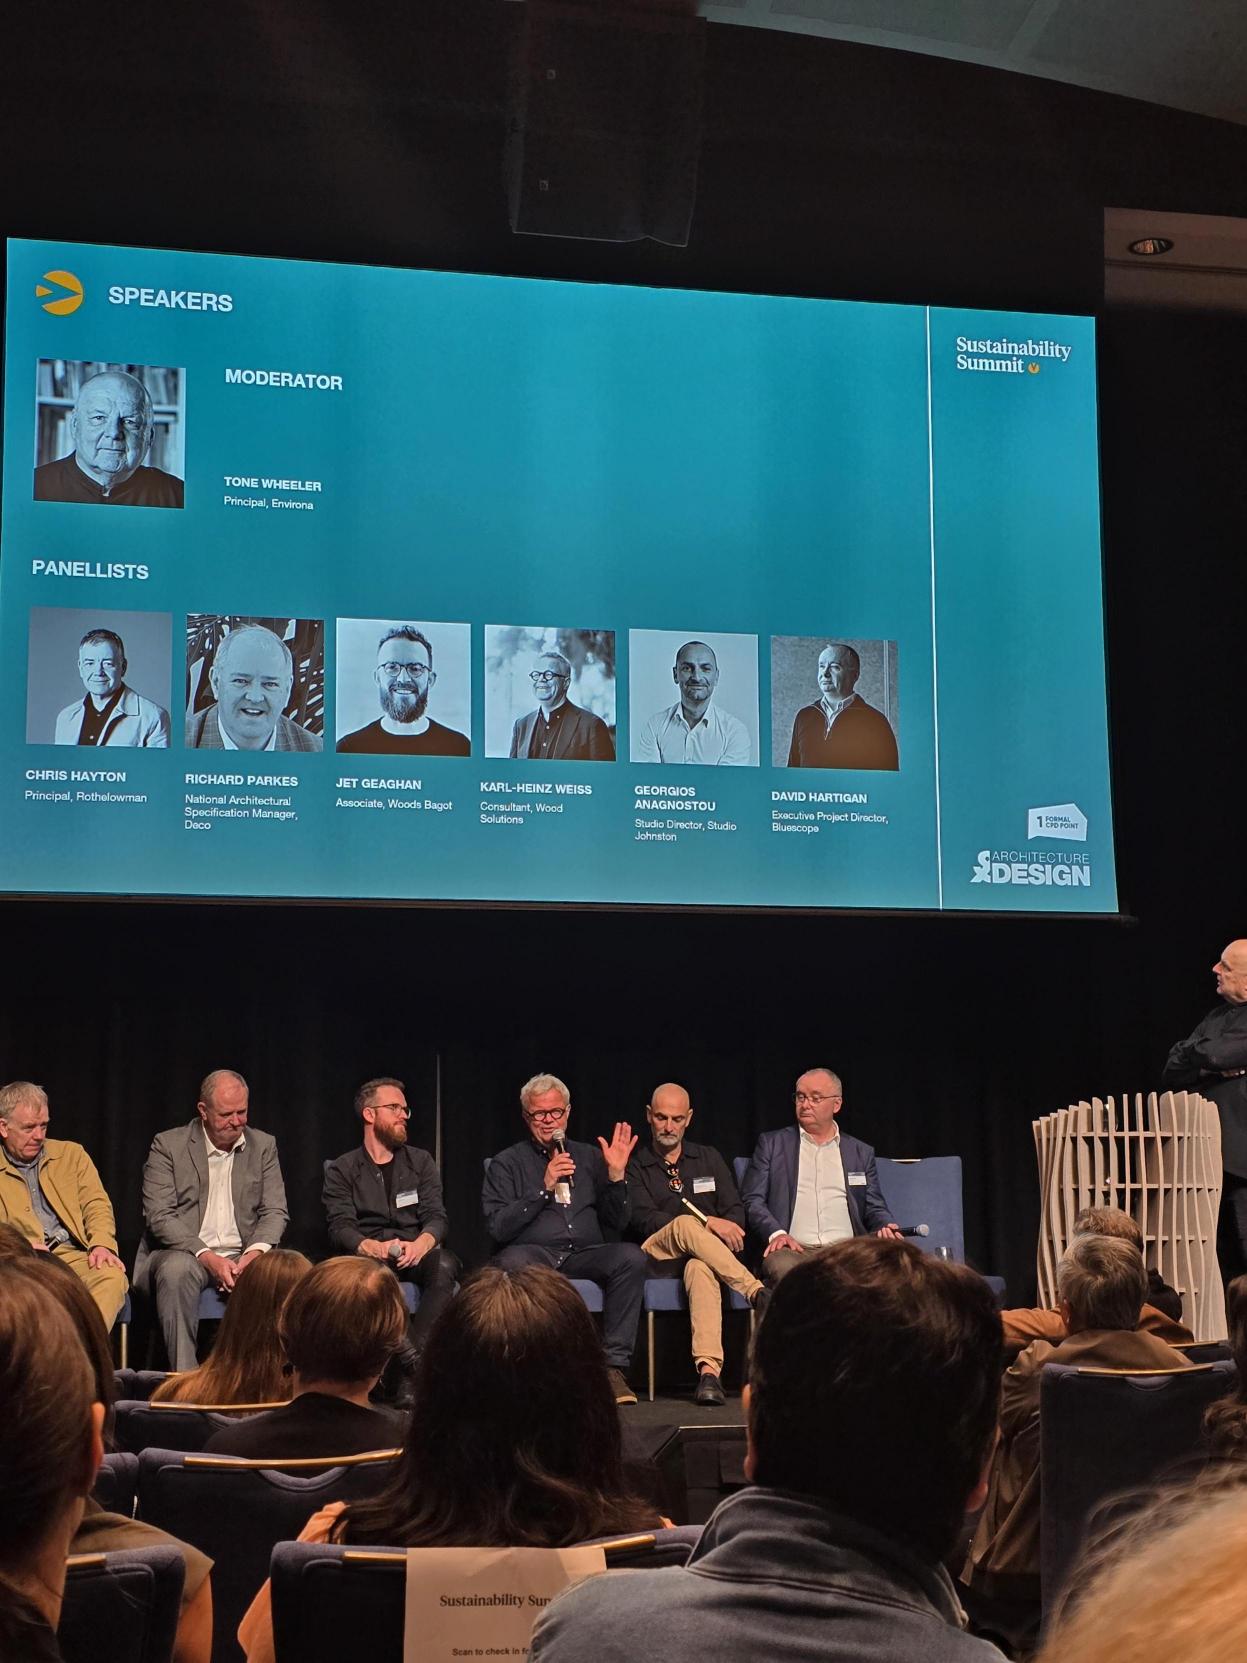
[51,1191]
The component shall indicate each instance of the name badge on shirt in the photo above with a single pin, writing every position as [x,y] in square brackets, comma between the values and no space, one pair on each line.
[702,1185]
[408,1198]
[858,1178]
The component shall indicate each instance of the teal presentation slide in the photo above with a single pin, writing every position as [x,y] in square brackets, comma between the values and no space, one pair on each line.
[339,582]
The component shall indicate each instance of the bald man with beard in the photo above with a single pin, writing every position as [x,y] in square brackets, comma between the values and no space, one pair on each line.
[689,1219]
[1213,1061]
[111,427]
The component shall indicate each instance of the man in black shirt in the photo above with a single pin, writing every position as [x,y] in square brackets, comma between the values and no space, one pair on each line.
[689,1219]
[384,1201]
[405,677]
[1213,1061]
[558,730]
[546,1201]
[111,427]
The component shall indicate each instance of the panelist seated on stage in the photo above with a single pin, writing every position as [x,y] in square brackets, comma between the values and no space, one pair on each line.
[1102,1286]
[668,1179]
[383,1200]
[548,1206]
[213,1201]
[51,1192]
[1162,1310]
[808,1185]
[110,713]
[111,426]
[870,1414]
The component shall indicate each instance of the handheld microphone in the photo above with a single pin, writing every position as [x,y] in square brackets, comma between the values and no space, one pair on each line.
[915,1229]
[563,1189]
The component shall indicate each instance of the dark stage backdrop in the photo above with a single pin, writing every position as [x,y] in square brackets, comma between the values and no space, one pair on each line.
[826,170]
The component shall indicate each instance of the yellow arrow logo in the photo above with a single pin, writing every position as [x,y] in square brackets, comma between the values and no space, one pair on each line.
[64,304]
[1033,369]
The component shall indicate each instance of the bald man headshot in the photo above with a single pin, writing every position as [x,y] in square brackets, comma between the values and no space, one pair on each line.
[694,729]
[252,677]
[1213,1061]
[840,730]
[111,427]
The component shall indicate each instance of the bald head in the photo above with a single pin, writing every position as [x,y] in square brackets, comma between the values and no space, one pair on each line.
[669,1112]
[111,427]
[696,674]
[1231,973]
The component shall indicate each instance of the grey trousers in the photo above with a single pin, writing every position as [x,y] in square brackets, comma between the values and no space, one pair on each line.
[177,1279]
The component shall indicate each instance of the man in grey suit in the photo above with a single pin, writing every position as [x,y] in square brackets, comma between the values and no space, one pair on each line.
[251,679]
[808,1185]
[558,730]
[213,1201]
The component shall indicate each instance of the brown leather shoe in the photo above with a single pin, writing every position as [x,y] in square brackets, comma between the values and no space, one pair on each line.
[622,1390]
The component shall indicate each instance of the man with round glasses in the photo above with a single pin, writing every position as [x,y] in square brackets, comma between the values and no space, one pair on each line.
[110,713]
[688,1217]
[809,1184]
[383,1200]
[405,678]
[558,730]
[548,1201]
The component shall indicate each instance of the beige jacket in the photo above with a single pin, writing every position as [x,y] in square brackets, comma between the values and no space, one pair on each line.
[73,1189]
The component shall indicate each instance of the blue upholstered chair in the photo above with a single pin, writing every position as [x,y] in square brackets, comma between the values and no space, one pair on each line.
[116,1483]
[142,1425]
[234,1511]
[122,1605]
[1104,1433]
[326,1596]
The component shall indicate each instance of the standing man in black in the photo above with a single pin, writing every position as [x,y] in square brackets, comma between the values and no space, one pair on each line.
[1213,1062]
[690,1220]
[546,1202]
[384,1201]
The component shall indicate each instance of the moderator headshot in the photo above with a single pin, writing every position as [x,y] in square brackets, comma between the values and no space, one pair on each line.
[405,679]
[558,730]
[252,676]
[109,712]
[111,427]
[695,729]
[840,730]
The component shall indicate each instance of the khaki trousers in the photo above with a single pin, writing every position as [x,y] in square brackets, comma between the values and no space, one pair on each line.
[106,1284]
[707,1261]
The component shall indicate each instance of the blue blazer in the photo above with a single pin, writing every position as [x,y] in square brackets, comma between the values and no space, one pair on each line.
[770,1187]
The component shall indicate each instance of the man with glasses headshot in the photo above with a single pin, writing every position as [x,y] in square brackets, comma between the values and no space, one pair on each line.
[548,1201]
[383,1200]
[558,730]
[405,678]
[810,1184]
[688,1217]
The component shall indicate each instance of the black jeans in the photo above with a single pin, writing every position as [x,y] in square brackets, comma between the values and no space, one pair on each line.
[435,1276]
[619,1269]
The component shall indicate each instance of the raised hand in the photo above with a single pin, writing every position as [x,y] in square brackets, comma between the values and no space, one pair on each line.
[618,1151]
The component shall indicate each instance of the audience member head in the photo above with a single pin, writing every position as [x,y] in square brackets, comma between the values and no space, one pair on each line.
[14,1245]
[1225,1422]
[515,1359]
[873,1388]
[69,1291]
[1101,1283]
[247,1363]
[1168,1586]
[1108,1221]
[50,1449]
[342,1324]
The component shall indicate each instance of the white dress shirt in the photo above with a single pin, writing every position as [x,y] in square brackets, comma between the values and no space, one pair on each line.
[219,1228]
[717,737]
[820,1212]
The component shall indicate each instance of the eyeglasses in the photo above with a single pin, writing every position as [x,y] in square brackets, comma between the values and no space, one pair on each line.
[544,1114]
[814,1098]
[547,675]
[419,671]
[394,1108]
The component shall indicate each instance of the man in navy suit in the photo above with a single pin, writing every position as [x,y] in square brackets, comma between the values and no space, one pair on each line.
[809,1185]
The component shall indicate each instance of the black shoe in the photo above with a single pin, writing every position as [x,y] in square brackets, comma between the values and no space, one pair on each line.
[710,1393]
[622,1390]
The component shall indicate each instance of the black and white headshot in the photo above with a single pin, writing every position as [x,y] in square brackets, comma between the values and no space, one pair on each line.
[404,689]
[712,720]
[550,693]
[833,703]
[85,671]
[109,434]
[255,684]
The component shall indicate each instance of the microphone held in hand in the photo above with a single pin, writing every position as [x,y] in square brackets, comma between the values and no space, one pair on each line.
[915,1229]
[563,1189]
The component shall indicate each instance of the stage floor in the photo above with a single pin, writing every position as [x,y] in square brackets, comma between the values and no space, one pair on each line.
[678,1410]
